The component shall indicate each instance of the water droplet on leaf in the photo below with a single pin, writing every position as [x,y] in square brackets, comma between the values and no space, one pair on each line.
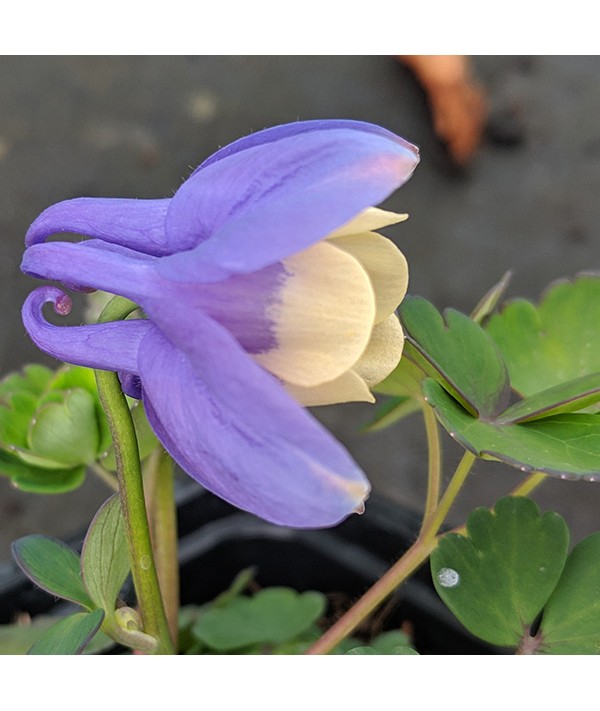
[448,578]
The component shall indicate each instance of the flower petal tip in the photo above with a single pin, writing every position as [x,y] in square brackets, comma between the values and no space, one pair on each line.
[61,302]
[356,493]
[360,509]
[63,305]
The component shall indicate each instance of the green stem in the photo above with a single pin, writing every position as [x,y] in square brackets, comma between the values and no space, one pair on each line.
[160,479]
[414,557]
[433,525]
[434,461]
[131,491]
[529,484]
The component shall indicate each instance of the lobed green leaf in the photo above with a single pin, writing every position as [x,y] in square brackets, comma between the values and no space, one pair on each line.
[458,354]
[554,342]
[271,617]
[571,619]
[497,579]
[66,432]
[566,445]
[38,480]
[571,396]
[366,650]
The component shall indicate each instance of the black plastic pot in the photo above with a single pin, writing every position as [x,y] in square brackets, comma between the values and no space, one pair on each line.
[217,541]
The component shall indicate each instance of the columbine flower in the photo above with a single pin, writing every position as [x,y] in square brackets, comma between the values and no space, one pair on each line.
[261,275]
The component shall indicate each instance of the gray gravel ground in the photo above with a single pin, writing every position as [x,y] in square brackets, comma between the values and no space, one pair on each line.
[134,126]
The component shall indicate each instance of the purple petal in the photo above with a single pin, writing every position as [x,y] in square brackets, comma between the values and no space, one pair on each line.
[276,133]
[86,265]
[131,384]
[136,224]
[258,205]
[117,249]
[242,304]
[232,427]
[108,346]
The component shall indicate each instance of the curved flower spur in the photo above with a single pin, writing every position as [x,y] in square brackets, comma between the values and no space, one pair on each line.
[264,287]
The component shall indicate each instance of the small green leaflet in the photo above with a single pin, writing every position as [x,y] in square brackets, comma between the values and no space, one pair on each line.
[19,638]
[53,566]
[71,635]
[104,558]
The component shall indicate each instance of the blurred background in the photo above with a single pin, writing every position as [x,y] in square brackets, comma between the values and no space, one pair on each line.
[526,199]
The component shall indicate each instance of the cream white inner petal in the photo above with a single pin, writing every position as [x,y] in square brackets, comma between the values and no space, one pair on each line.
[349,387]
[373,218]
[383,353]
[322,316]
[384,263]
